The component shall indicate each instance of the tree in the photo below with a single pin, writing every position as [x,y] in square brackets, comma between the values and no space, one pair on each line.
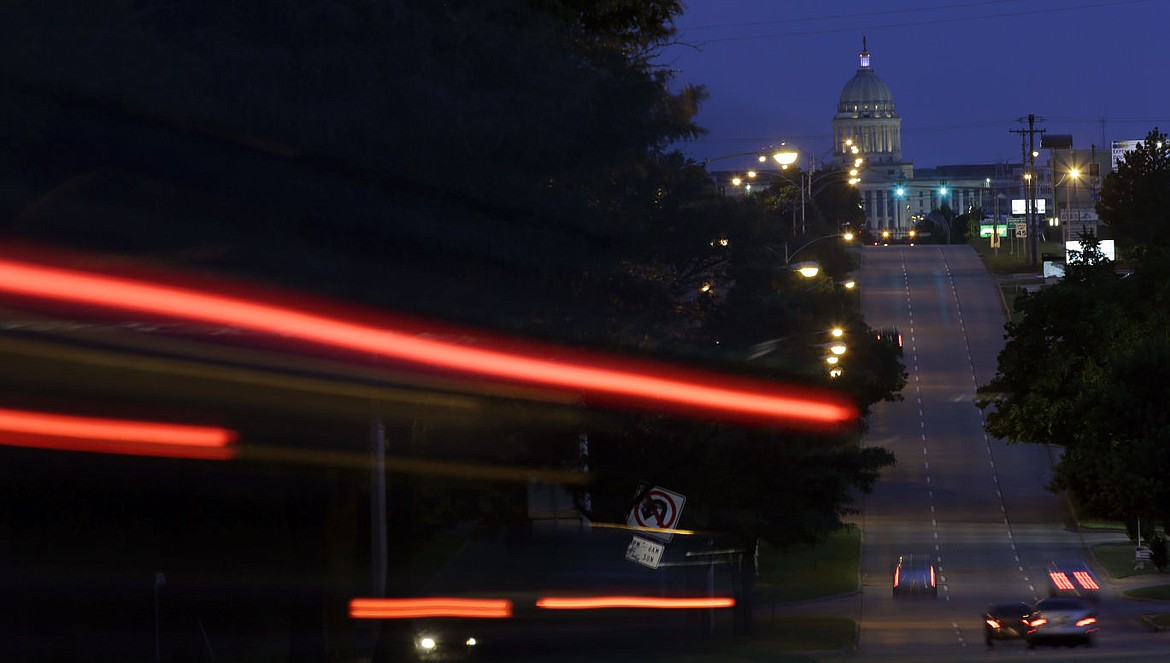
[1135,199]
[498,162]
[1087,369]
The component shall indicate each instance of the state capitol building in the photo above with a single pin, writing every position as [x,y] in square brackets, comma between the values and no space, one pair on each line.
[893,195]
[898,197]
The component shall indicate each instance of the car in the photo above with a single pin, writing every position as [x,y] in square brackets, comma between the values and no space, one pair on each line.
[1073,578]
[1062,620]
[1005,621]
[445,639]
[889,335]
[915,574]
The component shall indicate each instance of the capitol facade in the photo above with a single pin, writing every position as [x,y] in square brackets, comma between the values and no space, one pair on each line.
[895,196]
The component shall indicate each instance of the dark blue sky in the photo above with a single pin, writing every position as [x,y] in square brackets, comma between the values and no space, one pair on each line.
[962,73]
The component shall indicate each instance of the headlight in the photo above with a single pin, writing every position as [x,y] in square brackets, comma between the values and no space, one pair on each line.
[426,644]
[471,642]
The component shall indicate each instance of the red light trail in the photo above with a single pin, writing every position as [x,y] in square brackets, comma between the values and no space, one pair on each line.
[44,430]
[419,608]
[429,607]
[603,602]
[605,378]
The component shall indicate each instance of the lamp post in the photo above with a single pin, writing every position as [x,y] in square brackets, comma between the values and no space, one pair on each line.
[1073,174]
[847,236]
[805,184]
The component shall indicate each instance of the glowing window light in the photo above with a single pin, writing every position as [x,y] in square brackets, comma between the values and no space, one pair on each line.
[656,387]
[61,432]
[416,608]
[604,602]
[1086,580]
[1061,580]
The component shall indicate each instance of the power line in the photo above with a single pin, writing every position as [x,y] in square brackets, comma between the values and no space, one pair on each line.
[937,21]
[833,17]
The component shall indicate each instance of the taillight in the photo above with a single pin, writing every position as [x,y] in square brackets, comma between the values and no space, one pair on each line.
[897,575]
[1037,622]
[1061,580]
[1086,621]
[1086,580]
[992,623]
[932,575]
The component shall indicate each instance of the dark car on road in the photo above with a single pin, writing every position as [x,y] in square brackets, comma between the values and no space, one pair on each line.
[890,336]
[1062,621]
[1005,621]
[915,574]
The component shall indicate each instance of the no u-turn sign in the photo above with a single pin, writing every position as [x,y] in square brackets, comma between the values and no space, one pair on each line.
[659,508]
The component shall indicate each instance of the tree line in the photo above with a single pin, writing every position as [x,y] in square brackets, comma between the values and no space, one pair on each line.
[1087,366]
[504,163]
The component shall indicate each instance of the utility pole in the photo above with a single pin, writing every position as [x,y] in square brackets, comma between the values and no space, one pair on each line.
[1028,145]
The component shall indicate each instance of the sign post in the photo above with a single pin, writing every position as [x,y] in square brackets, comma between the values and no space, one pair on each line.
[658,509]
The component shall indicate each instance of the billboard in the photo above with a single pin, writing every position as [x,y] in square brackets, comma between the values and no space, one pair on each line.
[1018,206]
[1107,248]
[1120,147]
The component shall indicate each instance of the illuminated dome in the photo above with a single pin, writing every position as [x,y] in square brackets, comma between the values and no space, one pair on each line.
[866,95]
[866,119]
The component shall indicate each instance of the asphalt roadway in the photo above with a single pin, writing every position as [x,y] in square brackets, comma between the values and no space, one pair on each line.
[978,506]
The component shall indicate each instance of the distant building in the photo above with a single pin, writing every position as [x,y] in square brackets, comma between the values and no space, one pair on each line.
[895,195]
[868,126]
[898,197]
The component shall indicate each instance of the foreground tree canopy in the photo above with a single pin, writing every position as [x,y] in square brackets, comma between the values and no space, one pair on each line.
[1087,367]
[504,163]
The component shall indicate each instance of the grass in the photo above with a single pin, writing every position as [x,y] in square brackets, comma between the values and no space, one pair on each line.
[1157,593]
[1005,262]
[809,572]
[1118,560]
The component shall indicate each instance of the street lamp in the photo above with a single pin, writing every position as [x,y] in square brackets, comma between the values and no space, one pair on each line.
[805,184]
[847,236]
[1073,174]
[806,269]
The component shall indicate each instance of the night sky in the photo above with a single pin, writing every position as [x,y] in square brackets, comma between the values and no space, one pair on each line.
[962,73]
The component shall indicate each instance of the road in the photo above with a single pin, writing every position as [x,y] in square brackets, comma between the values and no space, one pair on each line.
[976,504]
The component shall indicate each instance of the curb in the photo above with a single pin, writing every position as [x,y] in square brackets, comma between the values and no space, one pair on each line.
[1149,620]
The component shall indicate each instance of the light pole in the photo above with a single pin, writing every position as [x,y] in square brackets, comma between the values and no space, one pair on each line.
[1073,174]
[805,185]
[847,236]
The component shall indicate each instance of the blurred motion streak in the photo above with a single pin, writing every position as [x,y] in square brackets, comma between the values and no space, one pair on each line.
[429,607]
[658,530]
[61,432]
[599,602]
[655,387]
[414,465]
[1061,580]
[1086,580]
